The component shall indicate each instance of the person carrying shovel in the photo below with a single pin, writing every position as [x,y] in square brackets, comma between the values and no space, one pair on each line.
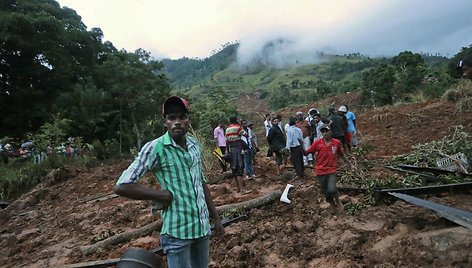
[327,150]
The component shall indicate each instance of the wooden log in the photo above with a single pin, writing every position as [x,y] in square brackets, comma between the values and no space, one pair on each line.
[253,203]
[121,238]
[156,226]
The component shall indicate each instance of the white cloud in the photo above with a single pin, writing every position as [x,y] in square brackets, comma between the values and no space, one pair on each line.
[194,28]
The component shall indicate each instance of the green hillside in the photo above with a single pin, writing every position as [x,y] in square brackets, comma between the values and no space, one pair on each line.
[186,72]
[335,74]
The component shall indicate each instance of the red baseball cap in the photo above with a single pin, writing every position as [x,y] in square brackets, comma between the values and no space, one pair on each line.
[177,102]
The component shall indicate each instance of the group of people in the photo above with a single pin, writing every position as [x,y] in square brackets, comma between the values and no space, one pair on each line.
[185,200]
[314,139]
[28,150]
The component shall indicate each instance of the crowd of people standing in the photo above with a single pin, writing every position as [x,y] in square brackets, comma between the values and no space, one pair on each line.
[311,140]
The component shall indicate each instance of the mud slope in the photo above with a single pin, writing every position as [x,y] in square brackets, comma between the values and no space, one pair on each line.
[46,227]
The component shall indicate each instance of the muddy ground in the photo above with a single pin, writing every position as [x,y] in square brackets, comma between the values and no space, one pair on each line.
[47,226]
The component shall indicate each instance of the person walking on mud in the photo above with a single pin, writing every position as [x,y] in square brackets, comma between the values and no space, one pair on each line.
[294,144]
[175,158]
[234,134]
[248,152]
[327,151]
[220,141]
[277,145]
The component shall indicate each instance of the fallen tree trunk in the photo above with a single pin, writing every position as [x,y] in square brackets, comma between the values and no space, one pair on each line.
[121,238]
[156,226]
[253,203]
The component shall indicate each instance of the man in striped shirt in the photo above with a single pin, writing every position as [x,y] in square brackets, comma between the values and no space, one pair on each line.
[234,134]
[175,158]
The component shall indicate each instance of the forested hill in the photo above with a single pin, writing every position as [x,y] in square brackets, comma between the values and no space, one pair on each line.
[57,74]
[294,84]
[186,72]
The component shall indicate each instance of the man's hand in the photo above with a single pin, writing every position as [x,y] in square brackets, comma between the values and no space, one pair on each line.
[168,196]
[163,202]
[219,229]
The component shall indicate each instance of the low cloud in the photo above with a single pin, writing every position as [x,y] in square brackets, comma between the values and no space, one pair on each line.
[384,29]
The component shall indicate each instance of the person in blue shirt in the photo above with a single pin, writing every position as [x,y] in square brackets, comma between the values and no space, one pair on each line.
[294,144]
[351,127]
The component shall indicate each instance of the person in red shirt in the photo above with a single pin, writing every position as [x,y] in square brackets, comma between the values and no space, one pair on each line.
[327,151]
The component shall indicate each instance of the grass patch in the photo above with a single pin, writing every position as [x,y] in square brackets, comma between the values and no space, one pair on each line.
[461,95]
[20,175]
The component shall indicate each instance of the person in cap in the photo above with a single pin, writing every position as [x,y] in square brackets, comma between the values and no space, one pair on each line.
[185,200]
[327,150]
[347,142]
[465,65]
[351,127]
[311,114]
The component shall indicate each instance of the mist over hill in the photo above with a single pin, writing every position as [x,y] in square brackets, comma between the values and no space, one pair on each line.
[277,65]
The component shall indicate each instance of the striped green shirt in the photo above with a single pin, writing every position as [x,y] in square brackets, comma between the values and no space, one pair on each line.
[180,172]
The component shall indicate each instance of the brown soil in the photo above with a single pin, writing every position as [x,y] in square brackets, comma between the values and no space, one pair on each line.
[45,227]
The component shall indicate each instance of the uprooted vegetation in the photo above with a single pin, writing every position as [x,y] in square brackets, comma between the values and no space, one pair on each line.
[428,154]
[421,155]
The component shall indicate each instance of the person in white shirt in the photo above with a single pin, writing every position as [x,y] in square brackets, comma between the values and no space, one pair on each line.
[267,123]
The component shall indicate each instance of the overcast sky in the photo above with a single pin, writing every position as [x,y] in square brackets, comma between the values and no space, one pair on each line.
[193,28]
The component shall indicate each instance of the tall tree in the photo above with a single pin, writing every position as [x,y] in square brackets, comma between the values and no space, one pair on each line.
[44,50]
[138,91]
[90,110]
[410,70]
[378,85]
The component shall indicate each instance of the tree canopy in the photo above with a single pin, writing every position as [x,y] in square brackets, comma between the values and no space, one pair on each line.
[50,64]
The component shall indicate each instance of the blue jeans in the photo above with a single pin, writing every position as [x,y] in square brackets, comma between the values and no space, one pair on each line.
[248,162]
[185,253]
